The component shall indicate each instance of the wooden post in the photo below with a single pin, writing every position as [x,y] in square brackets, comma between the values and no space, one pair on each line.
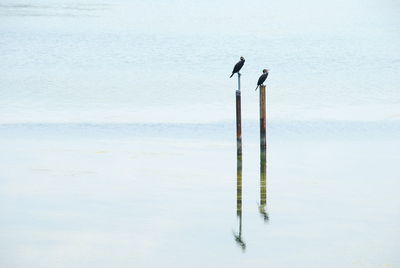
[263,154]
[238,237]
[238,123]
[263,141]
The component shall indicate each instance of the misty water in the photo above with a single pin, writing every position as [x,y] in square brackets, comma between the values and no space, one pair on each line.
[169,61]
[117,133]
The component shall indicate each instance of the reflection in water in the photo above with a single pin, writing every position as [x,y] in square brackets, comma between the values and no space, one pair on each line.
[238,236]
[263,190]
[263,185]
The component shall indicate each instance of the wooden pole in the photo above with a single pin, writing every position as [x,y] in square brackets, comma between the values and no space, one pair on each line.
[238,123]
[238,119]
[263,141]
[238,237]
[263,154]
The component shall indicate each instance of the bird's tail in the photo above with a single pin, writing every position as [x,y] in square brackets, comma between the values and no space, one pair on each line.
[256,87]
[231,75]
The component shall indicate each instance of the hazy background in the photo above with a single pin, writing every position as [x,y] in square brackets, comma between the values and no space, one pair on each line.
[169,61]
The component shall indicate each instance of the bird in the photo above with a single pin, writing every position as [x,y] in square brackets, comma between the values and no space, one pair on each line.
[238,66]
[262,78]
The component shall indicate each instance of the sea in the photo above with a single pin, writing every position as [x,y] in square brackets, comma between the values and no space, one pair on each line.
[117,133]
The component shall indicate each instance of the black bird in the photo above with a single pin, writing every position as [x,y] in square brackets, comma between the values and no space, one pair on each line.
[262,78]
[238,66]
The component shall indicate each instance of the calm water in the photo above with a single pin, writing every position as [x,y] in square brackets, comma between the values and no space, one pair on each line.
[169,61]
[113,196]
[117,135]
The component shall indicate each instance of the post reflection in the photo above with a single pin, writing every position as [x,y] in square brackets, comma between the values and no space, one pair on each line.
[238,236]
[263,185]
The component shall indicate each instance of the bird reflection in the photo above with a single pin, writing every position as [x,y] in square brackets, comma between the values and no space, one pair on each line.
[263,184]
[238,236]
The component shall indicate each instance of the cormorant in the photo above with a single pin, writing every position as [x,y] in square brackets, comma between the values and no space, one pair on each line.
[262,78]
[238,66]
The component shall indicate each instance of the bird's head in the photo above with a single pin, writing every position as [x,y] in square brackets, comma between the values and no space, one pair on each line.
[265,71]
[241,58]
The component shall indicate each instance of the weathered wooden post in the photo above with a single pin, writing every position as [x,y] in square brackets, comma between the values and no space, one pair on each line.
[263,141]
[238,119]
[238,236]
[238,123]
[263,155]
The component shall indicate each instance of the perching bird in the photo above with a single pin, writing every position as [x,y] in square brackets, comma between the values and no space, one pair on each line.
[262,78]
[238,66]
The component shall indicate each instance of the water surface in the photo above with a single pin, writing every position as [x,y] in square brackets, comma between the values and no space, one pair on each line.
[117,134]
